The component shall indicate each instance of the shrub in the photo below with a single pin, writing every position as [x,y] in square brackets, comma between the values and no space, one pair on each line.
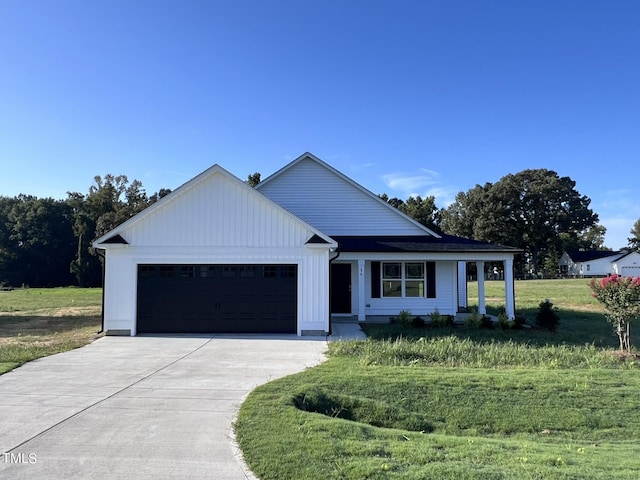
[473,320]
[621,299]
[439,320]
[417,322]
[404,317]
[547,317]
[519,322]
[504,322]
[487,322]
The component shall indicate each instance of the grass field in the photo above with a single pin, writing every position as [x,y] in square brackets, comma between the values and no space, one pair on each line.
[38,322]
[458,403]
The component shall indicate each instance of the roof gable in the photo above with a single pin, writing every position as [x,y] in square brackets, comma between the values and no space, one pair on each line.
[334,203]
[578,256]
[628,256]
[214,209]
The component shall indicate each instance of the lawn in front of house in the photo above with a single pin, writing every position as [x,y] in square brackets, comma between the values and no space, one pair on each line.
[37,322]
[459,403]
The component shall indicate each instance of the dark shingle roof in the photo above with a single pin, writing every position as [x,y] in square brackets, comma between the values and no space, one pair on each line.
[589,255]
[417,243]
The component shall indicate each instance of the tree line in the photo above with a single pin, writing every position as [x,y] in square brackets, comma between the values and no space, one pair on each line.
[535,210]
[47,242]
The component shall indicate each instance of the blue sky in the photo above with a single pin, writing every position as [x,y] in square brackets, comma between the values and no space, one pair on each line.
[406,97]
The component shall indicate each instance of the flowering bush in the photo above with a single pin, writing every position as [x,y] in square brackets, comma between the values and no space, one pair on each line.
[621,299]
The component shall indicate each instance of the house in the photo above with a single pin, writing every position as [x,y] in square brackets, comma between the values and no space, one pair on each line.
[306,244]
[627,265]
[588,263]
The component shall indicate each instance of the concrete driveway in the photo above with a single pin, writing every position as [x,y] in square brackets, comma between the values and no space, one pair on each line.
[140,407]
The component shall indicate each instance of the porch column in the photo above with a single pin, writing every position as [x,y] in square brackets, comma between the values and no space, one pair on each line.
[361,314]
[482,309]
[510,302]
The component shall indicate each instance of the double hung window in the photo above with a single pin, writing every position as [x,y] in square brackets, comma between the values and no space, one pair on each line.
[403,279]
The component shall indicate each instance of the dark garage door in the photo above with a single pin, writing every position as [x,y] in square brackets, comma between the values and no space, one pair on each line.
[217,298]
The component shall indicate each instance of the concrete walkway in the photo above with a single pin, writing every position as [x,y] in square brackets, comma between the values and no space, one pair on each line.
[140,408]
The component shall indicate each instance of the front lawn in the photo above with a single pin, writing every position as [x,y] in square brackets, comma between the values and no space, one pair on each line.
[38,322]
[457,403]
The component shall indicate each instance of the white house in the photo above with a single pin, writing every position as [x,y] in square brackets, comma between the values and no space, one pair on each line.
[628,265]
[588,263]
[217,255]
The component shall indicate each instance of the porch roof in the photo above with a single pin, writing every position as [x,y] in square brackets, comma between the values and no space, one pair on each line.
[418,243]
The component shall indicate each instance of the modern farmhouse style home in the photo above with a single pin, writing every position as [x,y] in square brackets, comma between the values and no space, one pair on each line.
[308,243]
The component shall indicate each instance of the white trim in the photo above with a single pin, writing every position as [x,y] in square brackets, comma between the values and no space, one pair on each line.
[174,195]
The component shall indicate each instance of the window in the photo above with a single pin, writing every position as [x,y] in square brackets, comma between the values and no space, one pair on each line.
[404,279]
[147,271]
[166,271]
[414,283]
[247,271]
[188,271]
[289,271]
[269,272]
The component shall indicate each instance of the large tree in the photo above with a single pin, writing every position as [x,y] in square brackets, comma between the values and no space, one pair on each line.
[110,201]
[634,239]
[461,216]
[36,241]
[536,210]
[423,210]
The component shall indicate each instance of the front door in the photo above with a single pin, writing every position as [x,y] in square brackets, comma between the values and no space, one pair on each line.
[340,288]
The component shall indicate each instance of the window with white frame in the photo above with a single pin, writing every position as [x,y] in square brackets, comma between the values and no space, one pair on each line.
[403,279]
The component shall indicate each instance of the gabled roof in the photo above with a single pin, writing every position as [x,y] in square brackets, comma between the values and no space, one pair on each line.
[626,254]
[578,256]
[426,243]
[115,237]
[368,193]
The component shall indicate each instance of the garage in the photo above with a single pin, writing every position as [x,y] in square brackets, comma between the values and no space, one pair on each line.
[217,298]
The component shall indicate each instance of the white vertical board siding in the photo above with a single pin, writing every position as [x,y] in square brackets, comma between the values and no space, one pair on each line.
[445,301]
[313,293]
[216,219]
[333,205]
[219,213]
[121,279]
[122,272]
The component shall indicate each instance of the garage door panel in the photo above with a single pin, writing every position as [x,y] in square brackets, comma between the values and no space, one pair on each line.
[217,298]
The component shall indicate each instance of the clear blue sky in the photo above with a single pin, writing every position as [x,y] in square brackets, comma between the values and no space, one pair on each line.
[406,97]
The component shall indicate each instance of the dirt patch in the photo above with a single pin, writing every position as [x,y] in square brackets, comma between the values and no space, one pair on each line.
[71,323]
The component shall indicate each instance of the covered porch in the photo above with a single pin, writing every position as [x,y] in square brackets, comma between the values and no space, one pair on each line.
[373,279]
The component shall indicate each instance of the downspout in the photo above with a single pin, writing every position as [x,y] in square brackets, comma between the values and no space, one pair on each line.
[102,254]
[337,250]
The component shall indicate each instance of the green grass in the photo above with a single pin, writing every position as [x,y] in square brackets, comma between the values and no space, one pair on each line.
[48,300]
[35,323]
[457,403]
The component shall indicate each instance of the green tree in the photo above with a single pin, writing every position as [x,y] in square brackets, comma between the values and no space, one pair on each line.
[8,248]
[461,216]
[37,242]
[621,299]
[395,201]
[423,210]
[253,179]
[534,210]
[111,201]
[634,240]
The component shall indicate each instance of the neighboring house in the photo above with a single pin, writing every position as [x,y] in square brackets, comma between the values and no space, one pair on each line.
[307,243]
[628,265]
[588,263]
